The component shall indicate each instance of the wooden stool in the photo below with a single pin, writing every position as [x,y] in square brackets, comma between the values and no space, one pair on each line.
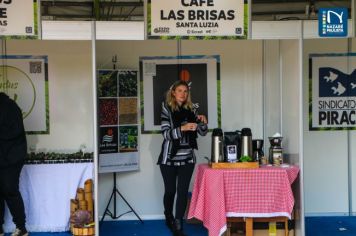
[230,220]
[249,223]
[275,219]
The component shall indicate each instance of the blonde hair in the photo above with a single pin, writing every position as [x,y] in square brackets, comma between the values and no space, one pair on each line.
[171,101]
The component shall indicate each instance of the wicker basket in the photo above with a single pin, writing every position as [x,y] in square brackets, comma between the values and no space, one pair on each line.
[83,231]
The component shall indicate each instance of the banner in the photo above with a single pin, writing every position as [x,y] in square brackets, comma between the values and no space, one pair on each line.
[17,17]
[197,18]
[25,79]
[202,73]
[118,121]
[332,91]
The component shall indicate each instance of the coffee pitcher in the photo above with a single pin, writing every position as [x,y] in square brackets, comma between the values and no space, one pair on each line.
[246,142]
[217,154]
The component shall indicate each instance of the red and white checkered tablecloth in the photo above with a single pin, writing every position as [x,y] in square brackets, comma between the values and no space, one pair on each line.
[221,193]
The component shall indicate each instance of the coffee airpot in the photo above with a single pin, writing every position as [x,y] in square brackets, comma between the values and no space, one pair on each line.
[246,142]
[217,146]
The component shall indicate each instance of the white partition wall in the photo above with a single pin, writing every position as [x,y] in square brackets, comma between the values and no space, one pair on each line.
[330,156]
[325,152]
[352,148]
[259,89]
[70,93]
[241,94]
[291,91]
[282,107]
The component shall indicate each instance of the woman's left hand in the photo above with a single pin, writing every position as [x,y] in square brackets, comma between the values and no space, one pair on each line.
[202,118]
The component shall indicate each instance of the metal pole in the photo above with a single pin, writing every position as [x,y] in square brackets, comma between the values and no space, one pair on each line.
[349,143]
[114,194]
[95,128]
[301,131]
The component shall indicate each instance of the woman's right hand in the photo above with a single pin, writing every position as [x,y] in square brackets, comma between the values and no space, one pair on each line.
[189,127]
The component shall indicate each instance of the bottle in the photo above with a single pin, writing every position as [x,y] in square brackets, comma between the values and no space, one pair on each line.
[246,142]
[217,146]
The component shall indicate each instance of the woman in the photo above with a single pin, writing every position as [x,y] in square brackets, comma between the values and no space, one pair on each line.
[13,151]
[179,126]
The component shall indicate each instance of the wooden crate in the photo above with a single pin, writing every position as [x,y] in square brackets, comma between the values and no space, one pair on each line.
[226,165]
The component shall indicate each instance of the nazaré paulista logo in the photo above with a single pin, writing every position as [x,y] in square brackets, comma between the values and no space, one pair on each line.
[333,22]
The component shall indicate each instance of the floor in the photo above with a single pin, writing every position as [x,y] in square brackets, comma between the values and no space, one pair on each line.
[148,228]
[330,226]
[314,226]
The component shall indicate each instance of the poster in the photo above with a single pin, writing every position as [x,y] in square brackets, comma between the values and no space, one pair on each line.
[17,17]
[202,73]
[25,79]
[332,91]
[208,18]
[118,121]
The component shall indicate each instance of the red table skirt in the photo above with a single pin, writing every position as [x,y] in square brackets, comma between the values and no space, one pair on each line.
[221,193]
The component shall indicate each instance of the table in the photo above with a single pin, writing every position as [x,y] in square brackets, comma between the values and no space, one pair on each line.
[46,190]
[221,193]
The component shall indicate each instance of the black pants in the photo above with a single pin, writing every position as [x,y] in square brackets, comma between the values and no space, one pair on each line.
[176,179]
[9,192]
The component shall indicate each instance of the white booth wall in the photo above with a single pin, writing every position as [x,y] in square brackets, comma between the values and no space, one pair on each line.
[246,66]
[242,100]
[70,93]
[282,108]
[326,164]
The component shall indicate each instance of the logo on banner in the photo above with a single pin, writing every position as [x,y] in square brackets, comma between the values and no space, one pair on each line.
[19,86]
[337,93]
[335,83]
[333,22]
[109,140]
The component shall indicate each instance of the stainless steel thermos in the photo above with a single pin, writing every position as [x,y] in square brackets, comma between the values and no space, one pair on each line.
[246,142]
[217,146]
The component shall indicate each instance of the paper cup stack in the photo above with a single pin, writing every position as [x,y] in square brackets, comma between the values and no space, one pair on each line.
[88,196]
[83,201]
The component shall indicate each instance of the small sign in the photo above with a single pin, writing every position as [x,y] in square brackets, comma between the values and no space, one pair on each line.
[17,18]
[197,18]
[332,91]
[24,78]
[333,22]
[231,153]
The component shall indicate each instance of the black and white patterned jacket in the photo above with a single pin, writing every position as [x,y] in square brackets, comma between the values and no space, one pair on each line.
[178,147]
